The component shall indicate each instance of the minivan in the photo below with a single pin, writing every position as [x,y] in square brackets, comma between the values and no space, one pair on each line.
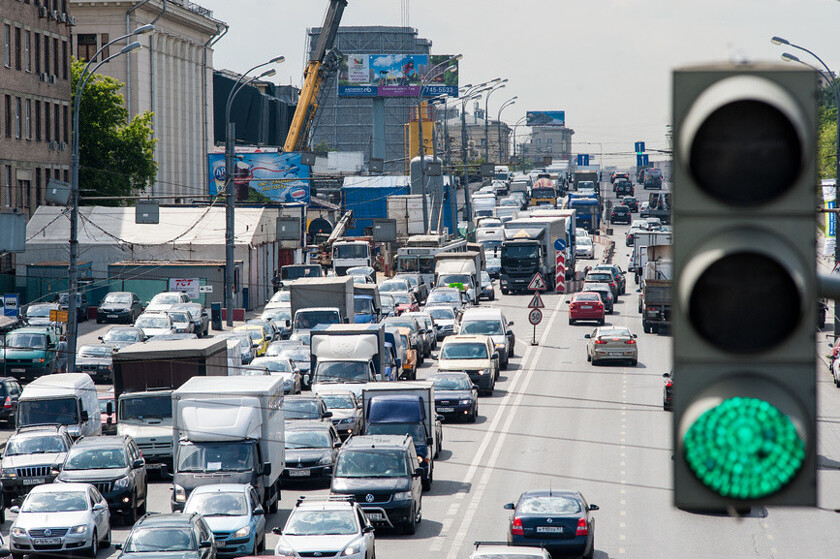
[68,399]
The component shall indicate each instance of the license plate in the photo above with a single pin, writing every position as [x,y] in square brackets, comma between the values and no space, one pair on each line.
[549,529]
[34,481]
[112,316]
[47,541]
[445,410]
[586,306]
[374,516]
[18,370]
[220,544]
[299,473]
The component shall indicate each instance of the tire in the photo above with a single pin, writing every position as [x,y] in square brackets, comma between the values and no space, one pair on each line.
[645,327]
[634,363]
[571,322]
[473,416]
[505,292]
[427,483]
[98,320]
[588,357]
[130,516]
[601,322]
[591,553]
[411,528]
[504,364]
[272,508]
[17,555]
[2,515]
[106,543]
[94,545]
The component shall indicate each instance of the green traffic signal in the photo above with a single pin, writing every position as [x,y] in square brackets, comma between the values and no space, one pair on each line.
[744,448]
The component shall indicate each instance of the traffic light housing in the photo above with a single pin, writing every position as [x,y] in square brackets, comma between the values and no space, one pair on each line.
[744,288]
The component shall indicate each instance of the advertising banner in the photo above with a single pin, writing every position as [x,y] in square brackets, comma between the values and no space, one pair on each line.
[545,118]
[190,286]
[829,194]
[396,75]
[279,176]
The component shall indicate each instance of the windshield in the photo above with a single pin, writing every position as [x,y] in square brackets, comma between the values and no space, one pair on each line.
[584,241]
[452,383]
[307,439]
[520,251]
[216,457]
[120,298]
[152,322]
[302,409]
[121,335]
[482,327]
[340,371]
[351,251]
[366,463]
[273,365]
[441,313]
[95,351]
[464,351]
[39,311]
[443,297]
[363,305]
[542,193]
[217,504]
[45,444]
[179,316]
[412,281]
[281,297]
[390,286]
[586,297]
[413,429]
[296,354]
[158,539]
[338,401]
[296,272]
[387,302]
[145,408]
[26,341]
[277,316]
[95,459]
[48,412]
[445,280]
[55,502]
[407,263]
[166,299]
[311,319]
[321,522]
[401,298]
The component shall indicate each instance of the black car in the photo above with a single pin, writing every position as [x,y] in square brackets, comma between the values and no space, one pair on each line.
[456,397]
[620,214]
[311,449]
[617,273]
[667,391]
[119,337]
[97,361]
[119,306]
[33,456]
[631,203]
[185,536]
[306,406]
[622,187]
[381,473]
[9,394]
[116,467]
[81,305]
[557,520]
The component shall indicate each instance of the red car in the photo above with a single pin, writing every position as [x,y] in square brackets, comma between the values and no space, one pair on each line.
[586,305]
[404,302]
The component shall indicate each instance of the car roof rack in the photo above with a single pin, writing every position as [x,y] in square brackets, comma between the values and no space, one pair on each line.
[325,499]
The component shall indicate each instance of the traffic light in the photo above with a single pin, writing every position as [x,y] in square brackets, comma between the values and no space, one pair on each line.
[744,288]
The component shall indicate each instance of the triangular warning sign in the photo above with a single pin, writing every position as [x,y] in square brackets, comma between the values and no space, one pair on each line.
[536,302]
[537,283]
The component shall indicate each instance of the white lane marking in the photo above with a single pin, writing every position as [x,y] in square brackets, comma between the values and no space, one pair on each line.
[476,495]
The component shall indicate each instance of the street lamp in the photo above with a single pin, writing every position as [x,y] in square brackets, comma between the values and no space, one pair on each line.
[505,105]
[72,269]
[230,195]
[518,122]
[829,76]
[500,83]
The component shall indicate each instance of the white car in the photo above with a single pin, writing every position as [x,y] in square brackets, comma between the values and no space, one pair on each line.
[581,232]
[317,528]
[280,300]
[166,300]
[585,248]
[495,550]
[60,517]
[154,324]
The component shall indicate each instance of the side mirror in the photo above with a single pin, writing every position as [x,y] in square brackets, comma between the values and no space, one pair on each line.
[398,363]
[15,509]
[666,375]
[139,463]
[587,336]
[475,386]
[509,333]
[99,507]
[328,414]
[594,507]
[569,302]
[277,530]
[85,415]
[100,339]
[259,511]
[205,544]
[429,441]
[510,323]
[635,335]
[117,546]
[495,355]
[417,472]
[266,468]
[367,529]
[509,506]
[109,408]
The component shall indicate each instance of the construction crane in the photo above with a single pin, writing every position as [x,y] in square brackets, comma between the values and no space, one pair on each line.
[323,63]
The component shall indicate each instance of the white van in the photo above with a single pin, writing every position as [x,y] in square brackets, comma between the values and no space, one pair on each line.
[62,399]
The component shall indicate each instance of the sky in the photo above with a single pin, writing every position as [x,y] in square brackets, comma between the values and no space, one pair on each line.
[607,63]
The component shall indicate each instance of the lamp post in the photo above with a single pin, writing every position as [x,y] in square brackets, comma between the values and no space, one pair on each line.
[72,269]
[499,85]
[230,195]
[518,122]
[829,76]
[505,105]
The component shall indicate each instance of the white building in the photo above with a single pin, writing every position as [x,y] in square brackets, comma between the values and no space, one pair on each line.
[171,76]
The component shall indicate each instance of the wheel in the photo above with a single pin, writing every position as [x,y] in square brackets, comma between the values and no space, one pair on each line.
[427,483]
[2,515]
[106,543]
[634,362]
[272,508]
[94,545]
[571,321]
[588,357]
[98,320]
[601,322]
[591,553]
[493,296]
[411,527]
[645,327]
[473,416]
[505,291]
[261,545]
[611,311]
[17,555]
[130,516]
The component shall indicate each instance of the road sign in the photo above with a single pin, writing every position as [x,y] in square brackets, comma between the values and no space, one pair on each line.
[560,272]
[537,283]
[535,316]
[10,304]
[559,244]
[536,302]
[642,160]
[640,147]
[205,289]
[58,316]
[583,159]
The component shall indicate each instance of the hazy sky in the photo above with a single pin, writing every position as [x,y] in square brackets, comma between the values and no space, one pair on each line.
[607,63]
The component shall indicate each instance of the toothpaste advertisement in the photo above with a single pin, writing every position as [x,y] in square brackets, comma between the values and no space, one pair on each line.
[279,176]
[397,75]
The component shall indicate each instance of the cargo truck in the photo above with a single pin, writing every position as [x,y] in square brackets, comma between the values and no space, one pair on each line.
[529,248]
[350,254]
[655,299]
[321,301]
[367,305]
[229,430]
[642,240]
[460,267]
[571,240]
[588,213]
[406,408]
[145,376]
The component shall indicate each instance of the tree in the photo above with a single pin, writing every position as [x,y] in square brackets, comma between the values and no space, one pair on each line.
[116,155]
[827,141]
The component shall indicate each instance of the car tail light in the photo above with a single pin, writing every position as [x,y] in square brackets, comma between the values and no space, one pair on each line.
[8,403]
[582,528]
[612,284]
[669,383]
[630,342]
[600,342]
[516,528]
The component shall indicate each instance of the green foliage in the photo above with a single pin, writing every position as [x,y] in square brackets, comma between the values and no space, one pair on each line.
[116,156]
[322,147]
[827,137]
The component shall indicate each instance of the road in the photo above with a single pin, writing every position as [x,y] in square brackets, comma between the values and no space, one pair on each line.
[556,421]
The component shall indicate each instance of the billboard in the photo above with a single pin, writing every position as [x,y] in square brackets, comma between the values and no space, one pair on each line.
[396,75]
[545,118]
[278,176]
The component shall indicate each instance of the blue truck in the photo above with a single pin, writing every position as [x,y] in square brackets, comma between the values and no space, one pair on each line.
[368,305]
[588,212]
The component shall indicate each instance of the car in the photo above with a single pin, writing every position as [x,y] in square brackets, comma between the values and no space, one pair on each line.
[199,316]
[560,521]
[395,285]
[493,265]
[97,361]
[602,289]
[487,290]
[30,352]
[585,248]
[119,306]
[644,209]
[32,457]
[623,187]
[281,319]
[155,323]
[586,305]
[311,449]
[115,466]
[326,527]
[631,203]
[604,275]
[123,336]
[475,355]
[81,305]
[245,345]
[38,314]
[445,321]
[615,175]
[301,361]
[166,300]
[446,296]
[404,302]
[418,286]
[497,550]
[491,322]
[668,391]
[9,393]
[388,307]
[270,331]
[612,344]
[581,232]
[382,474]
[234,515]
[631,235]
[346,411]
[280,300]
[617,273]
[186,536]
[361,279]
[279,346]
[306,406]
[418,339]
[56,519]
[410,359]
[456,397]
[281,367]
[620,214]
[108,412]
[427,329]
[257,335]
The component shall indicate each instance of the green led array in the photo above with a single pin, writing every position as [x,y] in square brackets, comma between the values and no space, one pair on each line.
[744,448]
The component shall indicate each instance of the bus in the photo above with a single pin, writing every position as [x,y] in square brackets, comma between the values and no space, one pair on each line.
[419,255]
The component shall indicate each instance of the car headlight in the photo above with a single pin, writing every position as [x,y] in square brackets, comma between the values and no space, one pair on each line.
[41,360]
[80,529]
[347,421]
[20,532]
[8,473]
[353,548]
[500,346]
[325,460]
[482,372]
[283,548]
[180,494]
[287,383]
[122,483]
[402,496]
[465,402]
[242,532]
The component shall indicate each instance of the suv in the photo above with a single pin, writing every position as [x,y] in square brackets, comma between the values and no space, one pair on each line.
[115,466]
[186,535]
[381,473]
[81,305]
[119,306]
[30,352]
[620,214]
[9,394]
[33,456]
[491,322]
[475,355]
[343,527]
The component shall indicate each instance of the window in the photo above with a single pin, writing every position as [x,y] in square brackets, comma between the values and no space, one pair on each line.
[64,116]
[7,185]
[55,57]
[38,188]
[18,48]
[27,118]
[8,109]
[7,45]
[65,61]
[66,174]
[37,121]
[85,46]
[46,54]
[37,53]
[17,117]
[57,122]
[105,39]
[27,59]
[23,189]
[47,128]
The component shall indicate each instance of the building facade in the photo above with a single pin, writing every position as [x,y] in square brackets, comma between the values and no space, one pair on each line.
[548,141]
[171,76]
[475,146]
[34,101]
